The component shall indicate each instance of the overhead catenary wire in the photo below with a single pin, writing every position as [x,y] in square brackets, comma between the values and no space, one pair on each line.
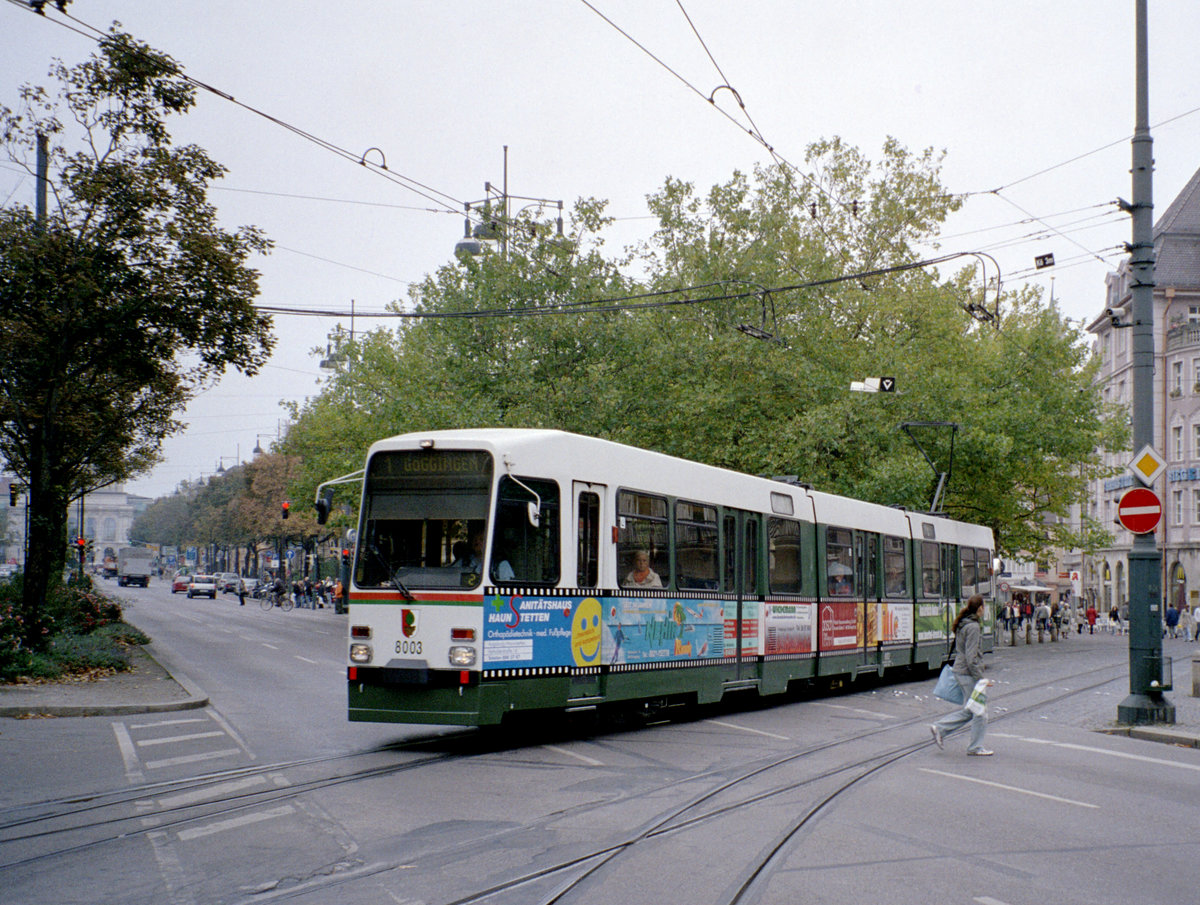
[636,302]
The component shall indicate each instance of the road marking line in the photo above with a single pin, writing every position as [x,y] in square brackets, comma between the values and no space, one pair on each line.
[191,758]
[747,729]
[882,716]
[1122,754]
[234,822]
[998,785]
[133,769]
[988,900]
[305,659]
[178,738]
[272,646]
[196,719]
[223,788]
[587,760]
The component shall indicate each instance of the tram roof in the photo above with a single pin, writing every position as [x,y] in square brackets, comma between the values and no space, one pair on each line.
[592,458]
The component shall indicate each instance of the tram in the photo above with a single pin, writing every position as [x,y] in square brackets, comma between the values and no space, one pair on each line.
[501,571]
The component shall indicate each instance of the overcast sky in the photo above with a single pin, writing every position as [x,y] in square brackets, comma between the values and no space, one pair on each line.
[1032,98]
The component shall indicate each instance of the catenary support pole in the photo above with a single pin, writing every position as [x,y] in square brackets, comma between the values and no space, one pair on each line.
[1146,703]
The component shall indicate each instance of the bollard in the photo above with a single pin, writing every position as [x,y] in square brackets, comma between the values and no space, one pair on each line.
[1028,633]
[1041,632]
[1196,675]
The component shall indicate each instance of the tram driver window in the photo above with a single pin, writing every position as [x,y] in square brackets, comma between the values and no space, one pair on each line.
[530,551]
[839,562]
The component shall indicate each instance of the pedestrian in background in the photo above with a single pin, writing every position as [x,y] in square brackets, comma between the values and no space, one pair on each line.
[241,592]
[1185,623]
[1172,628]
[1091,618]
[968,670]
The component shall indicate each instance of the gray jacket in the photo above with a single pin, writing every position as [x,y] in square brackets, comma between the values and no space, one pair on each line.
[968,651]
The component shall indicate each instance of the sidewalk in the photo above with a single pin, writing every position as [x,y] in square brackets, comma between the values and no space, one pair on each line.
[147,688]
[1186,729]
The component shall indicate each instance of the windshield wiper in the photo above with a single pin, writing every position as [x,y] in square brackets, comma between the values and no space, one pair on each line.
[394,573]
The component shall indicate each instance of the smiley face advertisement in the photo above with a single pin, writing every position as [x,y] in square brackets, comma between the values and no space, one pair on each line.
[524,632]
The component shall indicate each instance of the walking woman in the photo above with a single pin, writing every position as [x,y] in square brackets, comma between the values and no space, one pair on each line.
[968,669]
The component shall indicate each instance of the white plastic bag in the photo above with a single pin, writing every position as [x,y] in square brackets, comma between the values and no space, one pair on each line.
[977,702]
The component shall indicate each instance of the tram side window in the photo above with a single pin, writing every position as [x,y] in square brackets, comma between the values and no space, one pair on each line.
[696,560]
[983,571]
[839,561]
[532,552]
[931,571]
[642,528]
[729,542]
[895,571]
[783,562]
[967,571]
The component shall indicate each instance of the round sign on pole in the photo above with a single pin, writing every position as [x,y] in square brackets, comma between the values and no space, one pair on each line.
[1139,510]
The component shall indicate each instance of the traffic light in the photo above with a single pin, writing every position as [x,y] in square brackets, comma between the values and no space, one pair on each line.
[14,493]
[345,556]
[286,508]
[81,543]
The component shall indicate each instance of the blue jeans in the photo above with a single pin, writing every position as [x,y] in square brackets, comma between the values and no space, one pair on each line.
[954,721]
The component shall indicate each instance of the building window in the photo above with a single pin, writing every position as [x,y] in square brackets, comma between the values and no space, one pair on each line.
[1177,441]
[1194,314]
[1196,506]
[1196,375]
[1177,500]
[1177,377]
[1196,441]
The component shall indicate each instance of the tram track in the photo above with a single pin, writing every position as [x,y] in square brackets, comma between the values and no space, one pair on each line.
[65,818]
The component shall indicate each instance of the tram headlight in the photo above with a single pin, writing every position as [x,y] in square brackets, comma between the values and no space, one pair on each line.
[360,653]
[462,656]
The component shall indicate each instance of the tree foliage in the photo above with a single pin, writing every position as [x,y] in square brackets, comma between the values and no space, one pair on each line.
[124,300]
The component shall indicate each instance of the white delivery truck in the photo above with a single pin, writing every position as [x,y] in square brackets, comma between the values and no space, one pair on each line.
[133,566]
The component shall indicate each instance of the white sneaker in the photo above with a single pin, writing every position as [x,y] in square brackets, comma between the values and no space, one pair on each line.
[981,752]
[937,736]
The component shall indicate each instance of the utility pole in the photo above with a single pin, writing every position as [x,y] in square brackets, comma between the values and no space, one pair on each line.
[1146,703]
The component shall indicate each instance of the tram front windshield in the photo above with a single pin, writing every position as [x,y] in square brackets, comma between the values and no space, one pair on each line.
[424,517]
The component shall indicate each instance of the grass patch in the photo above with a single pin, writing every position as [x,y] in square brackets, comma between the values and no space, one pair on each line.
[86,636]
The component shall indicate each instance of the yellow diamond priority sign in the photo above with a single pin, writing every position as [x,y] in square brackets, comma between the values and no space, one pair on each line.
[1147,465]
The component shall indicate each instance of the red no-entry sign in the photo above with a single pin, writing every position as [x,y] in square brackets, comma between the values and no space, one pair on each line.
[1139,510]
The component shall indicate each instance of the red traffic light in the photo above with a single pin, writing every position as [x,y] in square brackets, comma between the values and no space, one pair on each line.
[81,542]
[286,508]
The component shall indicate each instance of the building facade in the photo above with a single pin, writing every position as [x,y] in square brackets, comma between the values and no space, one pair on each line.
[1176,411]
[108,515]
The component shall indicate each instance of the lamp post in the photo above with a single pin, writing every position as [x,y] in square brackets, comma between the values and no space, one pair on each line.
[495,226]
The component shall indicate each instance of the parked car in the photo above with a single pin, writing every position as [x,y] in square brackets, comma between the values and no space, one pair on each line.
[180,582]
[202,586]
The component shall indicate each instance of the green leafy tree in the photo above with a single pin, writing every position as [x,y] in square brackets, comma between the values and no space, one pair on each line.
[124,300]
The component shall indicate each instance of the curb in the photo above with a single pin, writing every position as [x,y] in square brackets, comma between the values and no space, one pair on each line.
[195,699]
[1177,737]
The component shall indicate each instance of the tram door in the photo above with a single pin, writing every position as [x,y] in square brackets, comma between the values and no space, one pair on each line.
[740,580]
[588,502]
[867,556]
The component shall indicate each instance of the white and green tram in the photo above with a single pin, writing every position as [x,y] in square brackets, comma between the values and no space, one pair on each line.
[500,571]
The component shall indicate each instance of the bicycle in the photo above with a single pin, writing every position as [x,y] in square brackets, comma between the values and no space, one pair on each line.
[274,599]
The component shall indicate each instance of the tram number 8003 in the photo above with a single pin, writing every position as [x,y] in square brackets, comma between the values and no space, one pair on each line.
[408,647]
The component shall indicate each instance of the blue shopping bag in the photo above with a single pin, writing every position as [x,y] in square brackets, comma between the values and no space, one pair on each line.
[947,687]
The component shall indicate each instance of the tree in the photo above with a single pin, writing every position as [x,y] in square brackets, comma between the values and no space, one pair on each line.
[124,301]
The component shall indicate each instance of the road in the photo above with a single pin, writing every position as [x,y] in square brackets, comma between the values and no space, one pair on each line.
[270,795]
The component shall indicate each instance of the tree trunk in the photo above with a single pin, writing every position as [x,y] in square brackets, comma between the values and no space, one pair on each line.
[47,556]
